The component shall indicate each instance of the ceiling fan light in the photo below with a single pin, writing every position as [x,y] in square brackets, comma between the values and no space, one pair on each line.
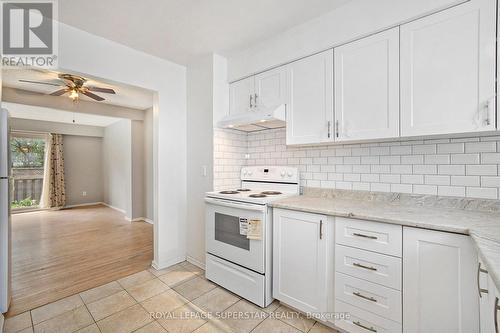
[73,95]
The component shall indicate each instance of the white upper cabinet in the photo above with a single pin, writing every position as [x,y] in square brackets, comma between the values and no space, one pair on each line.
[448,71]
[439,282]
[310,107]
[367,87]
[242,95]
[271,87]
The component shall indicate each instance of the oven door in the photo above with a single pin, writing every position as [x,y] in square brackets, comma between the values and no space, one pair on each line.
[225,233]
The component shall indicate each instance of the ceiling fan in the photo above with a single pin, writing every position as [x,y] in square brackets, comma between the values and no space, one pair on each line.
[74,85]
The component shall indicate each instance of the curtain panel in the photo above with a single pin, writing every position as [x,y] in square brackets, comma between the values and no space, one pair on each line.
[54,189]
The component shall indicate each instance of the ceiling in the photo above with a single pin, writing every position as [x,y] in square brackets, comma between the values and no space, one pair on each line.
[59,116]
[179,30]
[126,96]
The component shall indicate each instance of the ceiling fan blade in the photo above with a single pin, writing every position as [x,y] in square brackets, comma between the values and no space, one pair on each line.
[46,83]
[93,96]
[102,90]
[59,92]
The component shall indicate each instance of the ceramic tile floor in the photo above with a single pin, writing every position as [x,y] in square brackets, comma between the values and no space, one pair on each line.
[181,299]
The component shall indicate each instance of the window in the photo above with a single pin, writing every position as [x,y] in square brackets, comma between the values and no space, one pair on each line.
[28,159]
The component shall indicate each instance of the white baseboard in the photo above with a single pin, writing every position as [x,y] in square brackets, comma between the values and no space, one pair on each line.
[142,219]
[168,263]
[85,204]
[116,208]
[196,262]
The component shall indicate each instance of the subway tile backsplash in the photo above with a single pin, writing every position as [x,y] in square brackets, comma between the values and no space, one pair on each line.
[465,167]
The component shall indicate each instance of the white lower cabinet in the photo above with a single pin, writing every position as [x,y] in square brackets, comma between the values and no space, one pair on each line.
[489,303]
[439,282]
[434,285]
[368,276]
[358,320]
[301,260]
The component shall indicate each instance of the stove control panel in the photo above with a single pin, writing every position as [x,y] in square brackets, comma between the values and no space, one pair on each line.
[270,173]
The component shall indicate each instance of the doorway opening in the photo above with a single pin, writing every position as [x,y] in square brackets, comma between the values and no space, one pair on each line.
[93,156]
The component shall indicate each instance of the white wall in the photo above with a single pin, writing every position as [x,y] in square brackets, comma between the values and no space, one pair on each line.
[148,199]
[199,151]
[353,20]
[82,52]
[138,169]
[117,166]
[83,169]
[208,98]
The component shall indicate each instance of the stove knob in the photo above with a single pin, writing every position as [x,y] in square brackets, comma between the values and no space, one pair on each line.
[250,172]
[290,174]
[283,173]
[245,172]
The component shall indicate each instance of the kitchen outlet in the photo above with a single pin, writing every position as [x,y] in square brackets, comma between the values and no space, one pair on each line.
[84,193]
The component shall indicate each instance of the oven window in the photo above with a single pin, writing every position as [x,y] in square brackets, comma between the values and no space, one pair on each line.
[227,230]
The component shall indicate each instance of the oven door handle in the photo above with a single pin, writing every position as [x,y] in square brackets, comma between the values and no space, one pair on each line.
[233,204]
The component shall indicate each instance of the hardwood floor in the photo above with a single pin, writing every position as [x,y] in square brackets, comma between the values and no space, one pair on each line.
[56,254]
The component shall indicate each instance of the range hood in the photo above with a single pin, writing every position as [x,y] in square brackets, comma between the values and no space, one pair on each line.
[256,120]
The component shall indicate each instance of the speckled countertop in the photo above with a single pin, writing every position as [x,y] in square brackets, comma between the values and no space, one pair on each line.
[475,217]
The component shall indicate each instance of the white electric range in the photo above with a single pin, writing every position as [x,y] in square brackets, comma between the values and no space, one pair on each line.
[239,231]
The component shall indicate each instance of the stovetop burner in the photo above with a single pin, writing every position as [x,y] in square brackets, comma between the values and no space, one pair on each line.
[270,193]
[257,195]
[243,190]
[228,192]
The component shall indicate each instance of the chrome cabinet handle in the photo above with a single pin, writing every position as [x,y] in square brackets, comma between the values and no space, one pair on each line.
[321,229]
[495,310]
[371,329]
[358,294]
[337,128]
[329,124]
[255,99]
[364,236]
[251,98]
[370,268]
[479,271]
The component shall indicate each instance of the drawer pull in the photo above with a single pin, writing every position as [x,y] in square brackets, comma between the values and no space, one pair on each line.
[370,268]
[364,236]
[495,314]
[371,299]
[481,290]
[371,329]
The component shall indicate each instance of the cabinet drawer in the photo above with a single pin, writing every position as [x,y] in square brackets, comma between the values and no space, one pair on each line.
[239,280]
[372,236]
[383,301]
[361,321]
[370,266]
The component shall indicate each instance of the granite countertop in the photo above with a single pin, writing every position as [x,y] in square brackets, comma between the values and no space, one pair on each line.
[475,217]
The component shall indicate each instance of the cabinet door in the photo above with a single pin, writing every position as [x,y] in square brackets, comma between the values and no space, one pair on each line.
[367,87]
[495,308]
[439,282]
[310,108]
[300,260]
[271,87]
[448,71]
[241,95]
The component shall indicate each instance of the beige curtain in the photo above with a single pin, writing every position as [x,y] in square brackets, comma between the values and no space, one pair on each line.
[55,195]
[44,198]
